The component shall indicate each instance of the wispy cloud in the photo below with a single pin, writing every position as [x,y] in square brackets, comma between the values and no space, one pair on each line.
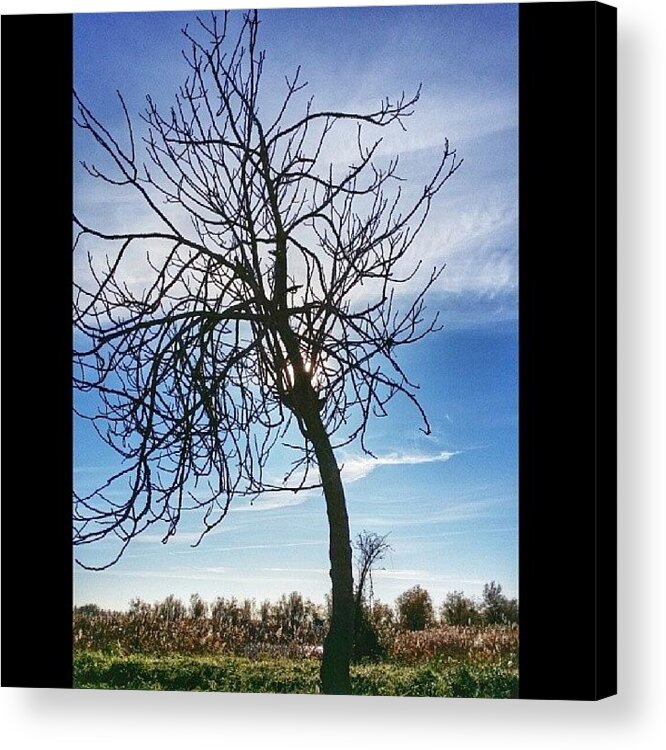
[471,510]
[358,467]
[280,545]
[421,576]
[180,537]
[439,535]
[413,576]
[217,574]
[459,117]
[90,469]
[273,501]
[266,502]
[316,571]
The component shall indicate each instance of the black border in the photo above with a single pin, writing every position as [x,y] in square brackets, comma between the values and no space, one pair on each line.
[567,350]
[36,342]
[567,289]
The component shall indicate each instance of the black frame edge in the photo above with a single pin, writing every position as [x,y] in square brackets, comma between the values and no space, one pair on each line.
[37,283]
[606,217]
[567,351]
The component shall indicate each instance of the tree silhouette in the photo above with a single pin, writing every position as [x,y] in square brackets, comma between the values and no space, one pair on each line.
[371,548]
[247,333]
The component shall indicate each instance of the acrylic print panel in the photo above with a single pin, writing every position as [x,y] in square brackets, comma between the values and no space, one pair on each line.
[296,282]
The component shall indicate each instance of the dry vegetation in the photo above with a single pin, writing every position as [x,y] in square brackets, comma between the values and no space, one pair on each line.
[478,643]
[147,632]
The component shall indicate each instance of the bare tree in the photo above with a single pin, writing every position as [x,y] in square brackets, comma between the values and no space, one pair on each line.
[370,548]
[247,333]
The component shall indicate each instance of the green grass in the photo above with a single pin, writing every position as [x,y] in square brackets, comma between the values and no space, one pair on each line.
[281,675]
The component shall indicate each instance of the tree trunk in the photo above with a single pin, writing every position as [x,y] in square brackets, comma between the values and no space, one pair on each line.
[358,602]
[339,641]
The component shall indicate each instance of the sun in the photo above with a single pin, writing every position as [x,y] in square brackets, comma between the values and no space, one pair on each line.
[315,369]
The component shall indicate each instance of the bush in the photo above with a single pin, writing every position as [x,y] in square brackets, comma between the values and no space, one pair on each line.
[497,609]
[367,644]
[88,610]
[414,608]
[459,609]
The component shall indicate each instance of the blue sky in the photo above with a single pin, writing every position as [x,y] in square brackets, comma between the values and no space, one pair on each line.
[448,500]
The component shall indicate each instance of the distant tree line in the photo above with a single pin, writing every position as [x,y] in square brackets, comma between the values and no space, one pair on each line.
[493,609]
[413,610]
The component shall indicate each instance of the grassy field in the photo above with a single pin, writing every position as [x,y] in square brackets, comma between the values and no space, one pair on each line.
[235,646]
[437,677]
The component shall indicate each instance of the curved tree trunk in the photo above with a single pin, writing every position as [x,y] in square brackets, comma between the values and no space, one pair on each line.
[339,640]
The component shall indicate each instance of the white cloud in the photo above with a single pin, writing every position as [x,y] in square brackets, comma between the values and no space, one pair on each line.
[358,467]
[182,537]
[470,510]
[417,576]
[459,117]
[217,574]
[272,501]
[282,545]
[316,571]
